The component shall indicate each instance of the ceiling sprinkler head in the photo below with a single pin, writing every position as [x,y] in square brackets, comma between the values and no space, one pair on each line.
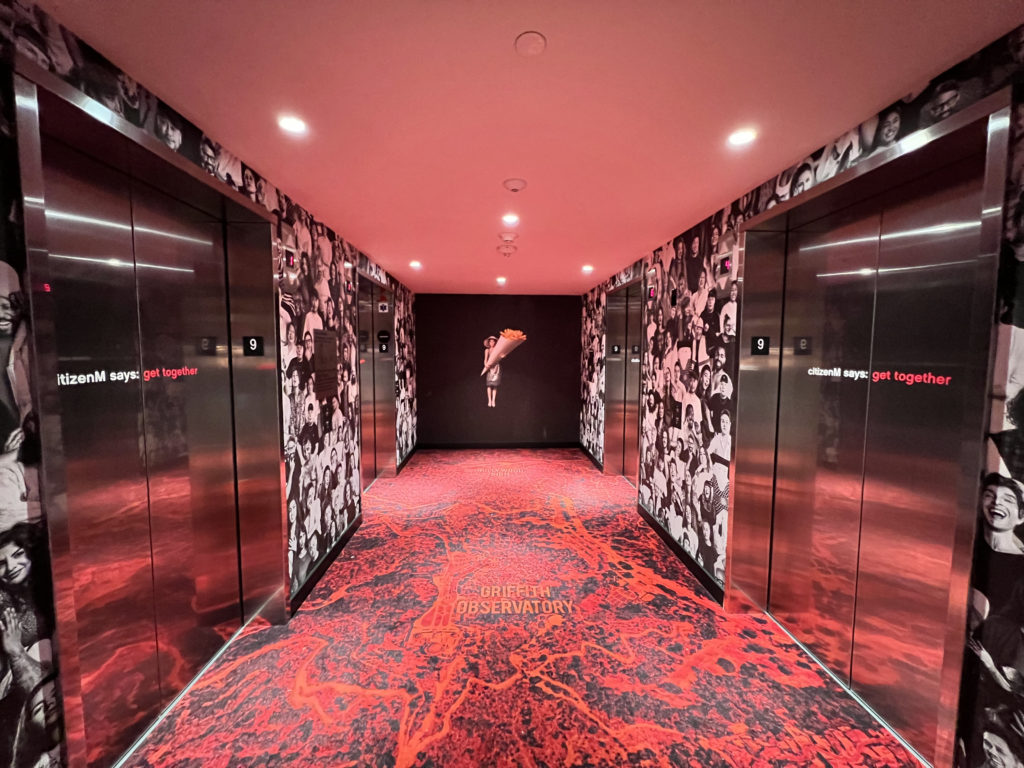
[507,249]
[508,237]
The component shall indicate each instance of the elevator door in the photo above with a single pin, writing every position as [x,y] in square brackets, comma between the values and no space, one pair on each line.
[876,353]
[623,337]
[367,444]
[138,283]
[614,382]
[377,382]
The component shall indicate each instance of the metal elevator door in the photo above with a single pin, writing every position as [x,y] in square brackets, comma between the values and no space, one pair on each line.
[876,355]
[377,383]
[147,438]
[623,342]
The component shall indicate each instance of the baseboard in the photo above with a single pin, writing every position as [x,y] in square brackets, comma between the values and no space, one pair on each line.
[327,562]
[715,591]
[590,456]
[478,446]
[403,462]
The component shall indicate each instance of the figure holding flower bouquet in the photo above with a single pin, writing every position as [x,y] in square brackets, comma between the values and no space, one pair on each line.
[495,350]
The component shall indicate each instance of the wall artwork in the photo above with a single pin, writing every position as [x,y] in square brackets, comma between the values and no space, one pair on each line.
[497,370]
[405,370]
[992,690]
[496,349]
[31,728]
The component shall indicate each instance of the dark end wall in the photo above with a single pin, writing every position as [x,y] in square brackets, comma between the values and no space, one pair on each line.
[538,398]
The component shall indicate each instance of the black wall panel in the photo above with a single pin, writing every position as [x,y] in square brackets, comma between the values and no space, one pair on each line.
[538,397]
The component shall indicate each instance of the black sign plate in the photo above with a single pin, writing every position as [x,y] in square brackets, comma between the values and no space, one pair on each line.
[252,346]
[802,345]
[760,345]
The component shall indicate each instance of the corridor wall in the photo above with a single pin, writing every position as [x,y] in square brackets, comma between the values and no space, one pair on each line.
[317,295]
[991,705]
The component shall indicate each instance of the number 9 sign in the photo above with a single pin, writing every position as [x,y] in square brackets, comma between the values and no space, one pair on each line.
[252,346]
[760,345]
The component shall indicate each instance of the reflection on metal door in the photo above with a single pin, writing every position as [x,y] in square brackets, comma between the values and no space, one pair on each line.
[631,401]
[623,342]
[876,358]
[614,381]
[377,384]
[180,282]
[368,450]
[89,235]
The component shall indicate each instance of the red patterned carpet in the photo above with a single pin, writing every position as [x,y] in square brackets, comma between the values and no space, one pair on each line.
[510,608]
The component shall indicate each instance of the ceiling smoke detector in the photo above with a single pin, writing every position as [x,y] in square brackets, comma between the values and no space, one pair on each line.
[514,185]
[530,44]
[507,249]
[508,237]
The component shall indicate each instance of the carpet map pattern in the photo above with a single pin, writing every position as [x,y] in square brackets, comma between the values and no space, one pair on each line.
[510,608]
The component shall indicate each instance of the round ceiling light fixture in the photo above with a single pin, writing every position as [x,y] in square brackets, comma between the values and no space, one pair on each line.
[415,265]
[501,281]
[292,124]
[507,249]
[530,44]
[587,269]
[742,137]
[514,185]
[510,220]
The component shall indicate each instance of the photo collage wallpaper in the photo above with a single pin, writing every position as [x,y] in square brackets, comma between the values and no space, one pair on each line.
[685,460]
[317,274]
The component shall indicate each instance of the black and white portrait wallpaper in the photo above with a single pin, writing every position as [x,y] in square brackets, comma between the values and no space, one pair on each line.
[31,730]
[688,401]
[405,369]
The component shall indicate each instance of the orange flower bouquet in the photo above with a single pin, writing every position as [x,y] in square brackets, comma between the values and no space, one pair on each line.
[509,340]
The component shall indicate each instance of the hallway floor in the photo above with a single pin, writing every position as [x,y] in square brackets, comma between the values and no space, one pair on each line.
[510,608]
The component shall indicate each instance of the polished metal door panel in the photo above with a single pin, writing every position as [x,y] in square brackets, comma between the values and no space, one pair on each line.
[262,526]
[385,414]
[367,446]
[631,401]
[762,271]
[96,326]
[614,380]
[180,277]
[829,300]
[912,482]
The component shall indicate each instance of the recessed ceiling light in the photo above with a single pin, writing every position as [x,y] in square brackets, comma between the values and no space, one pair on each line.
[531,44]
[296,126]
[587,269]
[742,137]
[415,264]
[510,219]
[501,281]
